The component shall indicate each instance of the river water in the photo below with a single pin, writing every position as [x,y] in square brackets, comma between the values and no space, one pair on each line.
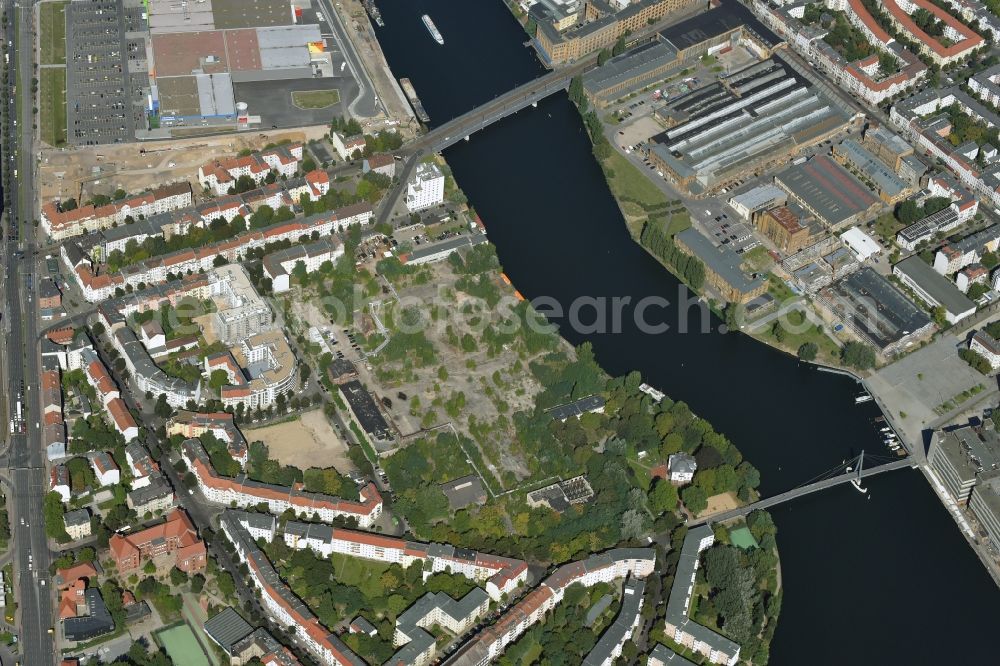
[865,579]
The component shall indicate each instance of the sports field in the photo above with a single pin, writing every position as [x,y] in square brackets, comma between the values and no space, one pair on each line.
[182,646]
[742,538]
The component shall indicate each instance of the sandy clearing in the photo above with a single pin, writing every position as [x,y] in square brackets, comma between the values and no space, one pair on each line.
[308,441]
[719,503]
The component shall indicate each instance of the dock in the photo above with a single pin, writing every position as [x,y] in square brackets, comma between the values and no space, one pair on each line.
[411,94]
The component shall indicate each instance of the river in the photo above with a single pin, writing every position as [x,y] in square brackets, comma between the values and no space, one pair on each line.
[862,576]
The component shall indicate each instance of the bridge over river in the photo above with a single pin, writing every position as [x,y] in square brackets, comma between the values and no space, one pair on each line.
[463,126]
[806,489]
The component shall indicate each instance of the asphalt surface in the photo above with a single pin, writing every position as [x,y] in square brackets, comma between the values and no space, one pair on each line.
[25,458]
[366,104]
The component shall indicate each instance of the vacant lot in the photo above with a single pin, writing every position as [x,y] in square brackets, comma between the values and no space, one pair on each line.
[315,99]
[52,20]
[53,105]
[719,503]
[305,442]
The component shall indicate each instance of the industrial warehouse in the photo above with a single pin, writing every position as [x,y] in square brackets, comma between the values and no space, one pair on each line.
[223,64]
[719,29]
[751,119]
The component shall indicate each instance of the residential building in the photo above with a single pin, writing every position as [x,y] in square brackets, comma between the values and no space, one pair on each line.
[219,424]
[609,646]
[382,163]
[280,603]
[679,627]
[269,362]
[77,523]
[970,275]
[934,289]
[961,457]
[969,250]
[348,147]
[664,656]
[426,188]
[156,497]
[60,223]
[681,467]
[219,176]
[105,468]
[84,614]
[245,313]
[986,346]
[98,284]
[174,543]
[418,645]
[278,266]
[605,567]
[956,43]
[245,492]
[59,482]
[500,575]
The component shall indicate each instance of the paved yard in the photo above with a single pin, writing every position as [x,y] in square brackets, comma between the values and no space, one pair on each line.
[925,379]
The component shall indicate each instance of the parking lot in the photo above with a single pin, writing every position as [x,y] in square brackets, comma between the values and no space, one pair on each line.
[105,77]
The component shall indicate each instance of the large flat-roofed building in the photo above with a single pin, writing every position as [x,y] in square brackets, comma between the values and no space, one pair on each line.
[961,457]
[934,289]
[876,310]
[598,26]
[887,146]
[724,24]
[763,197]
[754,118]
[722,267]
[830,192]
[985,505]
[629,72]
[784,228]
[890,187]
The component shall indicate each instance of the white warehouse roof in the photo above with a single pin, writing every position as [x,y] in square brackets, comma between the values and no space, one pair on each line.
[861,244]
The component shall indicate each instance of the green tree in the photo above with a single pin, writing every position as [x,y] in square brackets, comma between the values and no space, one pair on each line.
[218,379]
[695,498]
[808,351]
[858,355]
[663,497]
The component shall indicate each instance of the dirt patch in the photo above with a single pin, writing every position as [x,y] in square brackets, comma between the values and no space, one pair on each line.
[81,172]
[720,503]
[204,322]
[308,441]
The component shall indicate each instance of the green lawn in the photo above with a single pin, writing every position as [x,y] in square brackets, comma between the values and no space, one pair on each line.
[315,99]
[53,106]
[52,20]
[182,646]
[793,339]
[742,538]
[629,183]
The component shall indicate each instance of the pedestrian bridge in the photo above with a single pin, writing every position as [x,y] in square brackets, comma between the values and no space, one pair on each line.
[806,489]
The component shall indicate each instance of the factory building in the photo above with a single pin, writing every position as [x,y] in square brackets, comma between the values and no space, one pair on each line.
[757,117]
